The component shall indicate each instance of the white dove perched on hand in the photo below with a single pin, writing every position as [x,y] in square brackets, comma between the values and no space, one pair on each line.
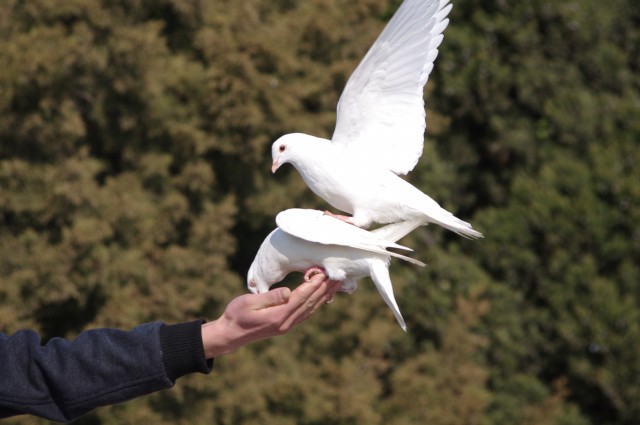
[306,240]
[380,129]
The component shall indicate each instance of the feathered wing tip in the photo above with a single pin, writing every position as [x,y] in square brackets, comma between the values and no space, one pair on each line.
[407,259]
[380,276]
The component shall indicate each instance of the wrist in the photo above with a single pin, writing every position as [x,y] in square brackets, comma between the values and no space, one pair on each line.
[217,339]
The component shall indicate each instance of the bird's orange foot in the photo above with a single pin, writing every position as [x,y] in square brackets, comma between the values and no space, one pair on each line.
[312,271]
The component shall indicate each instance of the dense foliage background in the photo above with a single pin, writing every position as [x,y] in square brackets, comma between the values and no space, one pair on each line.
[135,186]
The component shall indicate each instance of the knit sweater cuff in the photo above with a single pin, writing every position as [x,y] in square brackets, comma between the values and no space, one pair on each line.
[182,349]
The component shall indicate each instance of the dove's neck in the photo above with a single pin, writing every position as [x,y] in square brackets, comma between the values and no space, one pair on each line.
[315,146]
[312,154]
[323,168]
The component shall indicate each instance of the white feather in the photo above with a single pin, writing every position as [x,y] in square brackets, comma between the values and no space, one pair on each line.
[316,226]
[379,129]
[392,74]
[321,241]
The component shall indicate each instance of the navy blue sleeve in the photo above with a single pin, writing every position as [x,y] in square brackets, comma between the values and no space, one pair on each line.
[63,379]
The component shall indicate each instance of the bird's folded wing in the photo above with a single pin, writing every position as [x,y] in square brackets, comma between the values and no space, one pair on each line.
[315,226]
[381,115]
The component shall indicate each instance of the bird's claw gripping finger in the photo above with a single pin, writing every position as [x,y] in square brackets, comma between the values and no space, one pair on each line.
[312,271]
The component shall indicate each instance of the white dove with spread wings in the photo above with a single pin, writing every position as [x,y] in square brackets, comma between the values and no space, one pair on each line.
[309,239]
[380,128]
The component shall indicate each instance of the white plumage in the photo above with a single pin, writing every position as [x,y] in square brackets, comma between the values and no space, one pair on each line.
[379,129]
[305,239]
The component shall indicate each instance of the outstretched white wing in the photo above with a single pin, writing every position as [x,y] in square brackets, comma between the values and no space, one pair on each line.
[381,114]
[315,226]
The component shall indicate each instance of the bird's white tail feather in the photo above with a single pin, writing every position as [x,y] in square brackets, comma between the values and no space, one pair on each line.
[380,276]
[449,221]
[396,231]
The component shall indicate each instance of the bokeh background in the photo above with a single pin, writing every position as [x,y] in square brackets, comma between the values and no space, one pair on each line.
[135,186]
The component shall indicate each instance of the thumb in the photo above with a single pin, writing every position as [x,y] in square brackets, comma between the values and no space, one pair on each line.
[272,298]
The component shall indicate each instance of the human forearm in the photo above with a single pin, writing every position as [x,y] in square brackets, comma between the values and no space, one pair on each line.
[65,379]
[99,367]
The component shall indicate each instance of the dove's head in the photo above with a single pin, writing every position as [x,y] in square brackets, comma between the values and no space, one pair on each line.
[294,148]
[255,281]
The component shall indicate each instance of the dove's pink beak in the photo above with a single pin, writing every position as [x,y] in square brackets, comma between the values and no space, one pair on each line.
[275,166]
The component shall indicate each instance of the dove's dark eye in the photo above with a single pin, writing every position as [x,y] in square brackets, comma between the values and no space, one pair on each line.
[282,148]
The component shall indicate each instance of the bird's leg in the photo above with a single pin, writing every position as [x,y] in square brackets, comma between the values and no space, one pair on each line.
[344,218]
[312,271]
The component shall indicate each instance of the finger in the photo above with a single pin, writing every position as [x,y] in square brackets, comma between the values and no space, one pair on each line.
[332,291]
[307,306]
[304,303]
[283,303]
[308,287]
[316,300]
[327,297]
[271,298]
[335,286]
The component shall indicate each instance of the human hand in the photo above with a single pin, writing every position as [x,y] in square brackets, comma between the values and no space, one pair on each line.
[252,317]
